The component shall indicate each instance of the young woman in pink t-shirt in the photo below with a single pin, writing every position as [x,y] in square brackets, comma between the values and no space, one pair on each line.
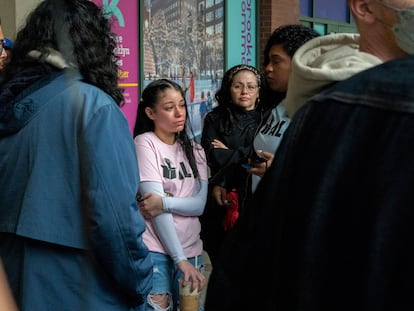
[173,191]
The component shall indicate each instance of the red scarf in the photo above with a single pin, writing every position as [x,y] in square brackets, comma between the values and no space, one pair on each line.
[232,212]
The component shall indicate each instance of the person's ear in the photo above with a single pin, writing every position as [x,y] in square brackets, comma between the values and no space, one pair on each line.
[149,113]
[361,11]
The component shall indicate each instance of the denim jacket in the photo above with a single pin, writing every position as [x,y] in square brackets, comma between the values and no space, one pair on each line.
[70,230]
[332,220]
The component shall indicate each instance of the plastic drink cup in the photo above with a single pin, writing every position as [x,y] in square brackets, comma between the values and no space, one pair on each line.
[189,300]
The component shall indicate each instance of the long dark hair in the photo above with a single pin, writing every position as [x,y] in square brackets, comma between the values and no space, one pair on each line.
[81,32]
[144,124]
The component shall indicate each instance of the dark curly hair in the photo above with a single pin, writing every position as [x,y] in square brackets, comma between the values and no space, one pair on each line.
[81,32]
[143,123]
[291,37]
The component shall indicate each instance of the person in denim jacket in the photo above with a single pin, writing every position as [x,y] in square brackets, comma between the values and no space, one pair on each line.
[331,223]
[70,228]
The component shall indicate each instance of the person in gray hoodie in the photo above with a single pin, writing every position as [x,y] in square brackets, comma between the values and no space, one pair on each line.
[325,60]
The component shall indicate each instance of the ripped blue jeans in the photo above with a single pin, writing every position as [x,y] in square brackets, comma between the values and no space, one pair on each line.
[165,280]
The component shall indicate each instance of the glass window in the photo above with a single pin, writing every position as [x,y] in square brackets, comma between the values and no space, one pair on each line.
[320,28]
[331,9]
[327,16]
[210,17]
[210,30]
[209,3]
[306,7]
[219,12]
[219,27]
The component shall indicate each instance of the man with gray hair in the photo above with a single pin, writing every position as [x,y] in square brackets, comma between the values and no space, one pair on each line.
[328,59]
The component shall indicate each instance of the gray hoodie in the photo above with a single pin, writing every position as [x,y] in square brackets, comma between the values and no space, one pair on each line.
[322,61]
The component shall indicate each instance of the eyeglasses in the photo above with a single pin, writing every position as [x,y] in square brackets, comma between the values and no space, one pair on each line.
[239,87]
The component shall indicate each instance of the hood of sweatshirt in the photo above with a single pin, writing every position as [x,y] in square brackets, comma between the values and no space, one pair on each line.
[322,61]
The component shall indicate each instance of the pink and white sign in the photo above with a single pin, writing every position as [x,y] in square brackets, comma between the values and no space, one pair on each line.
[125,18]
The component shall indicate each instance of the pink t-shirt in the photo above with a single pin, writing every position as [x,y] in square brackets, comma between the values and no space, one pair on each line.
[167,164]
